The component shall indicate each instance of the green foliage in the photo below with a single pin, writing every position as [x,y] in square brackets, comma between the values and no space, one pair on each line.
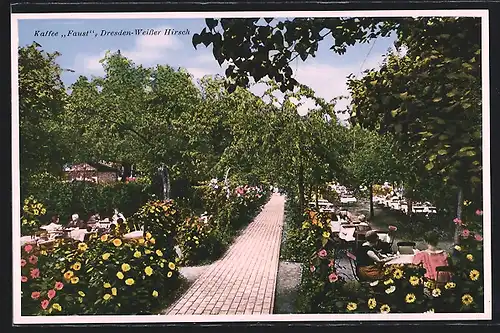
[66,198]
[196,242]
[32,213]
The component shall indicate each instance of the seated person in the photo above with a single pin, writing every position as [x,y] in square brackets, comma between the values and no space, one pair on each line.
[432,257]
[383,247]
[76,222]
[53,225]
[369,260]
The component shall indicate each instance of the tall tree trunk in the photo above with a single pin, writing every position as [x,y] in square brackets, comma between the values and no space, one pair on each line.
[127,171]
[301,186]
[317,198]
[459,215]
[371,201]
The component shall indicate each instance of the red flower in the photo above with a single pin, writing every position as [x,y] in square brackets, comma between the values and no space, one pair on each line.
[23,262]
[24,279]
[322,253]
[331,263]
[33,259]
[59,285]
[35,273]
[45,304]
[478,237]
[333,277]
[51,293]
[457,221]
[466,233]
[479,212]
[28,248]
[312,268]
[35,294]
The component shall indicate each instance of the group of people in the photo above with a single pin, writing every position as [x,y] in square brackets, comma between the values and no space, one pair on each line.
[373,254]
[77,223]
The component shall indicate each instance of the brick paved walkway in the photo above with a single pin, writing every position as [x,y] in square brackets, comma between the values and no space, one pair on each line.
[244,280]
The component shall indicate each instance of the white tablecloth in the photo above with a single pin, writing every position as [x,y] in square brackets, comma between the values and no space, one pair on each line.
[78,234]
[134,234]
[347,234]
[401,259]
[28,240]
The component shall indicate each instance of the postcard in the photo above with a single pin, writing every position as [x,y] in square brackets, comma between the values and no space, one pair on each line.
[251,166]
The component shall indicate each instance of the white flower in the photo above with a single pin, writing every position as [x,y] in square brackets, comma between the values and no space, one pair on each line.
[390,290]
[374,283]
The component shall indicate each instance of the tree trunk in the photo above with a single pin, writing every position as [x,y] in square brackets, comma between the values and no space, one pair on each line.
[317,198]
[371,201]
[165,178]
[127,171]
[459,215]
[301,186]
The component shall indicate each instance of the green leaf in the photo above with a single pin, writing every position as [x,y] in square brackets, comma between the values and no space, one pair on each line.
[429,166]
[442,152]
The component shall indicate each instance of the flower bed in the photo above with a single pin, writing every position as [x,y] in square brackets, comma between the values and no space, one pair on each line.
[403,289]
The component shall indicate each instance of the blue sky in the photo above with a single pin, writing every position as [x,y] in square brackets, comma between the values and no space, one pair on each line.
[326,73]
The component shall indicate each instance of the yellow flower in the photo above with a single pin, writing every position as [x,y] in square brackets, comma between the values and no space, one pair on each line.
[450,285]
[82,246]
[43,211]
[351,306]
[458,248]
[414,281]
[152,241]
[390,290]
[129,281]
[106,297]
[436,292]
[147,251]
[117,242]
[148,235]
[120,275]
[141,241]
[113,291]
[105,256]
[398,274]
[137,254]
[57,306]
[26,208]
[125,267]
[107,285]
[410,298]
[76,266]
[470,257]
[372,303]
[75,279]
[171,265]
[159,253]
[68,275]
[104,238]
[35,211]
[155,293]
[148,270]
[320,224]
[326,234]
[385,308]
[467,202]
[389,281]
[81,293]
[39,205]
[467,299]
[428,284]
[474,275]
[169,274]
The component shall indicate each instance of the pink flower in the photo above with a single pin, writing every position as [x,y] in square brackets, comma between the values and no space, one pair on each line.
[478,237]
[35,294]
[312,268]
[479,212]
[392,228]
[23,262]
[322,253]
[333,277]
[51,293]
[24,279]
[457,221]
[331,263]
[466,233]
[59,285]
[28,248]
[35,273]
[45,304]
[33,259]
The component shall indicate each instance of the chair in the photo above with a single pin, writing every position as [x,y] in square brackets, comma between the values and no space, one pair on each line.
[444,274]
[406,247]
[353,263]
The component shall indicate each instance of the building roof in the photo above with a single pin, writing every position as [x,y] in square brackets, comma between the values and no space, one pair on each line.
[91,166]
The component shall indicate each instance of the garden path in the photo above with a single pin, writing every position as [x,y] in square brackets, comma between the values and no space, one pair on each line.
[244,280]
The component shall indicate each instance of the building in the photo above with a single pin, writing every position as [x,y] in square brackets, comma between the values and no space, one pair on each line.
[93,172]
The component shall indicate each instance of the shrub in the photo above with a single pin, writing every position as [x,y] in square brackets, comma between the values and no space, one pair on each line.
[31,215]
[195,241]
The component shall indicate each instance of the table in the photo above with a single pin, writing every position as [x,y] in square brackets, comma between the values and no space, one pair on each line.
[401,259]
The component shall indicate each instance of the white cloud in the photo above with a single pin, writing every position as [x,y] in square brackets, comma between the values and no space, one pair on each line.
[146,50]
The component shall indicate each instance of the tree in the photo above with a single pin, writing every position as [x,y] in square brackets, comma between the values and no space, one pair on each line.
[42,96]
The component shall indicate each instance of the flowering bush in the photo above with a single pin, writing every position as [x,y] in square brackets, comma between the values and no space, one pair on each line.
[161,219]
[32,211]
[107,275]
[196,241]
